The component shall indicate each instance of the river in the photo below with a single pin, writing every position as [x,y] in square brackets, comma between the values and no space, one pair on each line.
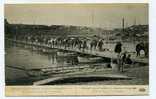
[19,57]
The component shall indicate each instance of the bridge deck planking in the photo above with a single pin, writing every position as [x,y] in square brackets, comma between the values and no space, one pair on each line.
[106,54]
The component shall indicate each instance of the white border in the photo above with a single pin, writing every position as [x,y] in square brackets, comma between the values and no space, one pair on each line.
[152,24]
[76,1]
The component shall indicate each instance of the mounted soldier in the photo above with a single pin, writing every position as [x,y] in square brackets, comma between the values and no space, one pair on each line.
[84,45]
[93,44]
[100,45]
[139,47]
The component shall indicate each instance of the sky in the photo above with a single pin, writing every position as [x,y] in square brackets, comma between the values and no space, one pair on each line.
[106,16]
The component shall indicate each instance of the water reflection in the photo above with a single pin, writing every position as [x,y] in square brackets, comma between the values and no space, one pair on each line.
[35,57]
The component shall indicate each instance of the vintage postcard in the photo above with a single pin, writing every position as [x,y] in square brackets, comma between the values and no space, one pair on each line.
[76,49]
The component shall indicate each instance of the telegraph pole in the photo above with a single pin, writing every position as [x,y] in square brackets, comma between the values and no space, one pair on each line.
[123,27]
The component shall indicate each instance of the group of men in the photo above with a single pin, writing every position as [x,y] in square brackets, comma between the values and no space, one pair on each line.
[124,58]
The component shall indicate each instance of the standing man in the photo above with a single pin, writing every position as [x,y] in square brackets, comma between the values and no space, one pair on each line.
[118,48]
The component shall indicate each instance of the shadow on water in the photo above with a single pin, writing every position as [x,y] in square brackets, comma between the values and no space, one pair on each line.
[82,80]
[64,81]
[21,81]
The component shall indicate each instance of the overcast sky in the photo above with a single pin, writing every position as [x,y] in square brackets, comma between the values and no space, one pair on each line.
[104,15]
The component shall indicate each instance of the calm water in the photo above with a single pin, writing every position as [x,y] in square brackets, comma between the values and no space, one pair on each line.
[31,59]
[28,57]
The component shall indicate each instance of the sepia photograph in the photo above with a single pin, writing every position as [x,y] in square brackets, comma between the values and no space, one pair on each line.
[76,44]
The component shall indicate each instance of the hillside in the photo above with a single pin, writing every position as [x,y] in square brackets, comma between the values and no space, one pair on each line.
[134,32]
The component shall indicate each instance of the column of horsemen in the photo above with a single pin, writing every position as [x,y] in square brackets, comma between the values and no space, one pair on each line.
[69,42]
[83,43]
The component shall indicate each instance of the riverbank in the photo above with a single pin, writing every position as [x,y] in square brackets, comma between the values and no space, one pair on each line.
[140,76]
[100,76]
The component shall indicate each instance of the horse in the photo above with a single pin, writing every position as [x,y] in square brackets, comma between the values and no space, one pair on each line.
[93,44]
[100,45]
[84,45]
[142,46]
